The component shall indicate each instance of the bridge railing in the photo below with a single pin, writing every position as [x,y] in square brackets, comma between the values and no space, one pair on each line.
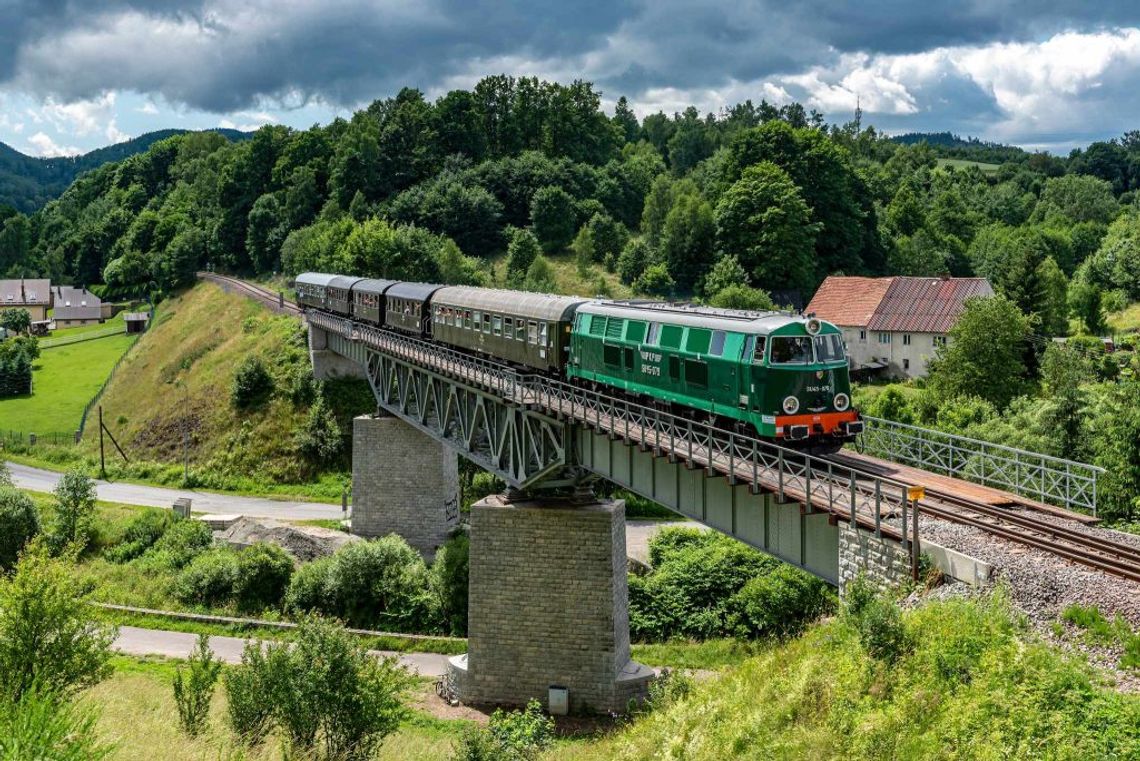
[1066,483]
[874,502]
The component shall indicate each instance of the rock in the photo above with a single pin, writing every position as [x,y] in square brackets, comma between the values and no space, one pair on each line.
[302,542]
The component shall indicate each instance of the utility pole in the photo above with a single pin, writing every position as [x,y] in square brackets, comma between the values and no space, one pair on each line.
[102,458]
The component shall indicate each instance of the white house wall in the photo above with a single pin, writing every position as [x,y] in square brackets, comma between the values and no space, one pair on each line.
[903,360]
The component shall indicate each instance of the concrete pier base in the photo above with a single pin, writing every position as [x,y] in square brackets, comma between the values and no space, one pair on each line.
[549,607]
[403,482]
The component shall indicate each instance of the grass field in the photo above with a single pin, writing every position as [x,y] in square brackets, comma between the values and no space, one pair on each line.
[63,380]
[138,716]
[963,163]
[567,279]
[1125,321]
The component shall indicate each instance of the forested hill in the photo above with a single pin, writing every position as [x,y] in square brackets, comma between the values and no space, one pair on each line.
[949,145]
[28,182]
[487,185]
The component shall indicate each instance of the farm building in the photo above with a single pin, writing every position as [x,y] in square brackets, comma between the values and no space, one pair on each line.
[136,321]
[77,306]
[33,295]
[894,325]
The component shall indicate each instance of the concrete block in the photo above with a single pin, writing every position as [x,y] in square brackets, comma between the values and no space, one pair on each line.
[218,522]
[958,565]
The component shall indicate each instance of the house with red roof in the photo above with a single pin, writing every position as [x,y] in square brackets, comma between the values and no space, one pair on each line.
[895,325]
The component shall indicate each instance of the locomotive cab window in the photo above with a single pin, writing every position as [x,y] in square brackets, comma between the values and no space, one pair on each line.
[758,353]
[654,332]
[791,350]
[829,348]
[716,348]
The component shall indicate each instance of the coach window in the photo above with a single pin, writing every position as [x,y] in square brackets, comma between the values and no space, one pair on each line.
[542,333]
[486,322]
[520,330]
[508,327]
[497,325]
[532,333]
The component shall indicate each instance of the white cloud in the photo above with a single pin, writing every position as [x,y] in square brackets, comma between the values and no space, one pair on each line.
[148,108]
[114,134]
[45,147]
[81,117]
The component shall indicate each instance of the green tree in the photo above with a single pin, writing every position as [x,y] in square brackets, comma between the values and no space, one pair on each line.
[906,213]
[1077,198]
[763,220]
[742,297]
[608,237]
[655,281]
[1116,264]
[16,320]
[725,273]
[583,248]
[252,384]
[522,251]
[626,120]
[265,234]
[688,240]
[193,690]
[320,438]
[1051,298]
[633,260]
[73,511]
[658,203]
[1063,371]
[553,218]
[50,641]
[984,354]
[19,522]
[540,277]
[1085,304]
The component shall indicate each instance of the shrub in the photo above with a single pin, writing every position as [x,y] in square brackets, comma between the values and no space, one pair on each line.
[48,639]
[74,507]
[252,384]
[144,530]
[381,583]
[449,574]
[181,543]
[669,687]
[262,575]
[45,726]
[324,691]
[309,588]
[878,621]
[779,603]
[19,523]
[248,707]
[208,579]
[509,736]
[320,437]
[192,694]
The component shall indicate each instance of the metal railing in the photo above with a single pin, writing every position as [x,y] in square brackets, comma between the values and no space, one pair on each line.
[1066,483]
[872,501]
[55,438]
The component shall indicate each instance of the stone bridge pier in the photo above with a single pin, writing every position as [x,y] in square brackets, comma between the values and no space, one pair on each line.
[549,607]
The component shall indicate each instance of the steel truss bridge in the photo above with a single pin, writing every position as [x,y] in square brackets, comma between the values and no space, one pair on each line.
[535,432]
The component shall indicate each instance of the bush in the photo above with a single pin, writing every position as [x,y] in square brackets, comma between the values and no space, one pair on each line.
[192,694]
[449,574]
[509,736]
[878,621]
[208,579]
[382,583]
[309,588]
[249,710]
[19,523]
[181,543]
[45,726]
[262,575]
[252,385]
[144,530]
[324,691]
[320,436]
[48,639]
[780,603]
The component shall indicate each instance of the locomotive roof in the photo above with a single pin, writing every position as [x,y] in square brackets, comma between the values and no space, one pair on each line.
[738,321]
[344,281]
[374,286]
[540,306]
[315,278]
[414,291]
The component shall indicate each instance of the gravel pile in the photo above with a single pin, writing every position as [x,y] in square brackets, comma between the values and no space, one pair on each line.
[302,542]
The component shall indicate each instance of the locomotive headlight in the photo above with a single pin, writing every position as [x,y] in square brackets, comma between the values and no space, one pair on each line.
[841,402]
[791,405]
[813,325]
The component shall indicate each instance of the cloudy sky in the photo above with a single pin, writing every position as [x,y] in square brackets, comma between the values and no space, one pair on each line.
[1053,74]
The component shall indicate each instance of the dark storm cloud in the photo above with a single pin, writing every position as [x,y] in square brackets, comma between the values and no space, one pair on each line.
[224,55]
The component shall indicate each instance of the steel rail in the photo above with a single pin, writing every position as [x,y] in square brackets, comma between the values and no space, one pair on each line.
[259,293]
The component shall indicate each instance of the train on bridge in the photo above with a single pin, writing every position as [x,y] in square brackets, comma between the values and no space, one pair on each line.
[783,375]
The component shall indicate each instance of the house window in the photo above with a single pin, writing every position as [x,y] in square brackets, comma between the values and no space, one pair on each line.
[906,339]
[906,364]
[862,335]
[884,338]
[940,340]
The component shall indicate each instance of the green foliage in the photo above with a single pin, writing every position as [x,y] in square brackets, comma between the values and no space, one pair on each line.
[320,438]
[540,277]
[144,530]
[179,545]
[509,736]
[45,726]
[74,506]
[16,357]
[553,218]
[608,237]
[252,384]
[49,640]
[655,280]
[16,320]
[765,222]
[742,297]
[194,689]
[208,579]
[522,251]
[633,260]
[780,603]
[726,273]
[449,576]
[984,354]
[323,691]
[263,573]
[688,241]
[19,523]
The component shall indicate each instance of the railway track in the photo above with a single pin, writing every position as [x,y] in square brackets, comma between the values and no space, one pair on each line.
[1025,528]
[271,299]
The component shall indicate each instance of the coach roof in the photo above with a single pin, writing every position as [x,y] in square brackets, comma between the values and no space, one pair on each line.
[540,306]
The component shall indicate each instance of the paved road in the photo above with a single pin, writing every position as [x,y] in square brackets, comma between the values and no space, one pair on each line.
[37,479]
[135,641]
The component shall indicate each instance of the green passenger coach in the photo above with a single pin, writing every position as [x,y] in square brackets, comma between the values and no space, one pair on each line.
[786,376]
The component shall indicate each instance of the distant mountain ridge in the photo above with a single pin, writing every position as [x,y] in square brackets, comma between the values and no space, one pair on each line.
[29,182]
